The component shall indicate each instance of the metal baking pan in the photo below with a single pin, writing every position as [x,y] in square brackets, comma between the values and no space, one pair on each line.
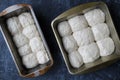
[15,10]
[101,62]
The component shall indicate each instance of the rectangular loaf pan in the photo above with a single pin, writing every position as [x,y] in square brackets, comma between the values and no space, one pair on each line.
[15,10]
[101,62]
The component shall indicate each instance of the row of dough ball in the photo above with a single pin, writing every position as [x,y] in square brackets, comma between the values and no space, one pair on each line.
[85,36]
[77,23]
[27,40]
[82,38]
[15,23]
[91,52]
[76,31]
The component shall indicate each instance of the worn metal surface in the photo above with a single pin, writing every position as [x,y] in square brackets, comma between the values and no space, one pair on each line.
[46,11]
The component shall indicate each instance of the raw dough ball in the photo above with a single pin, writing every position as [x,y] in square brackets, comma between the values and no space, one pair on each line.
[106,46]
[84,36]
[100,31]
[20,40]
[25,19]
[64,29]
[24,50]
[30,31]
[14,25]
[78,23]
[89,52]
[30,60]
[75,59]
[95,16]
[42,57]
[36,44]
[69,44]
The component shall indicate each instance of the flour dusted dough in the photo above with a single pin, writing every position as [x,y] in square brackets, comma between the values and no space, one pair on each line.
[24,50]
[106,46]
[42,57]
[20,40]
[75,59]
[69,43]
[30,31]
[30,60]
[25,19]
[89,52]
[95,16]
[84,37]
[64,29]
[36,44]
[78,23]
[100,31]
[14,25]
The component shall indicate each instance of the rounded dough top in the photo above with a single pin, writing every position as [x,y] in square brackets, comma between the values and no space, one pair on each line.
[75,59]
[42,57]
[84,37]
[14,25]
[24,50]
[36,44]
[30,31]
[78,23]
[100,31]
[25,19]
[69,43]
[64,29]
[30,60]
[106,46]
[20,40]
[95,16]
[89,52]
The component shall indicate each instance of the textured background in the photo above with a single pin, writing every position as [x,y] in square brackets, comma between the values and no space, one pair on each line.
[46,11]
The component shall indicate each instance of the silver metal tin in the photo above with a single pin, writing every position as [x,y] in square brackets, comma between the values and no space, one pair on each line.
[15,10]
[101,62]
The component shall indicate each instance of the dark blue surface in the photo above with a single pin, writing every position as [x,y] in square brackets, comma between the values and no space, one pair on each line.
[46,11]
